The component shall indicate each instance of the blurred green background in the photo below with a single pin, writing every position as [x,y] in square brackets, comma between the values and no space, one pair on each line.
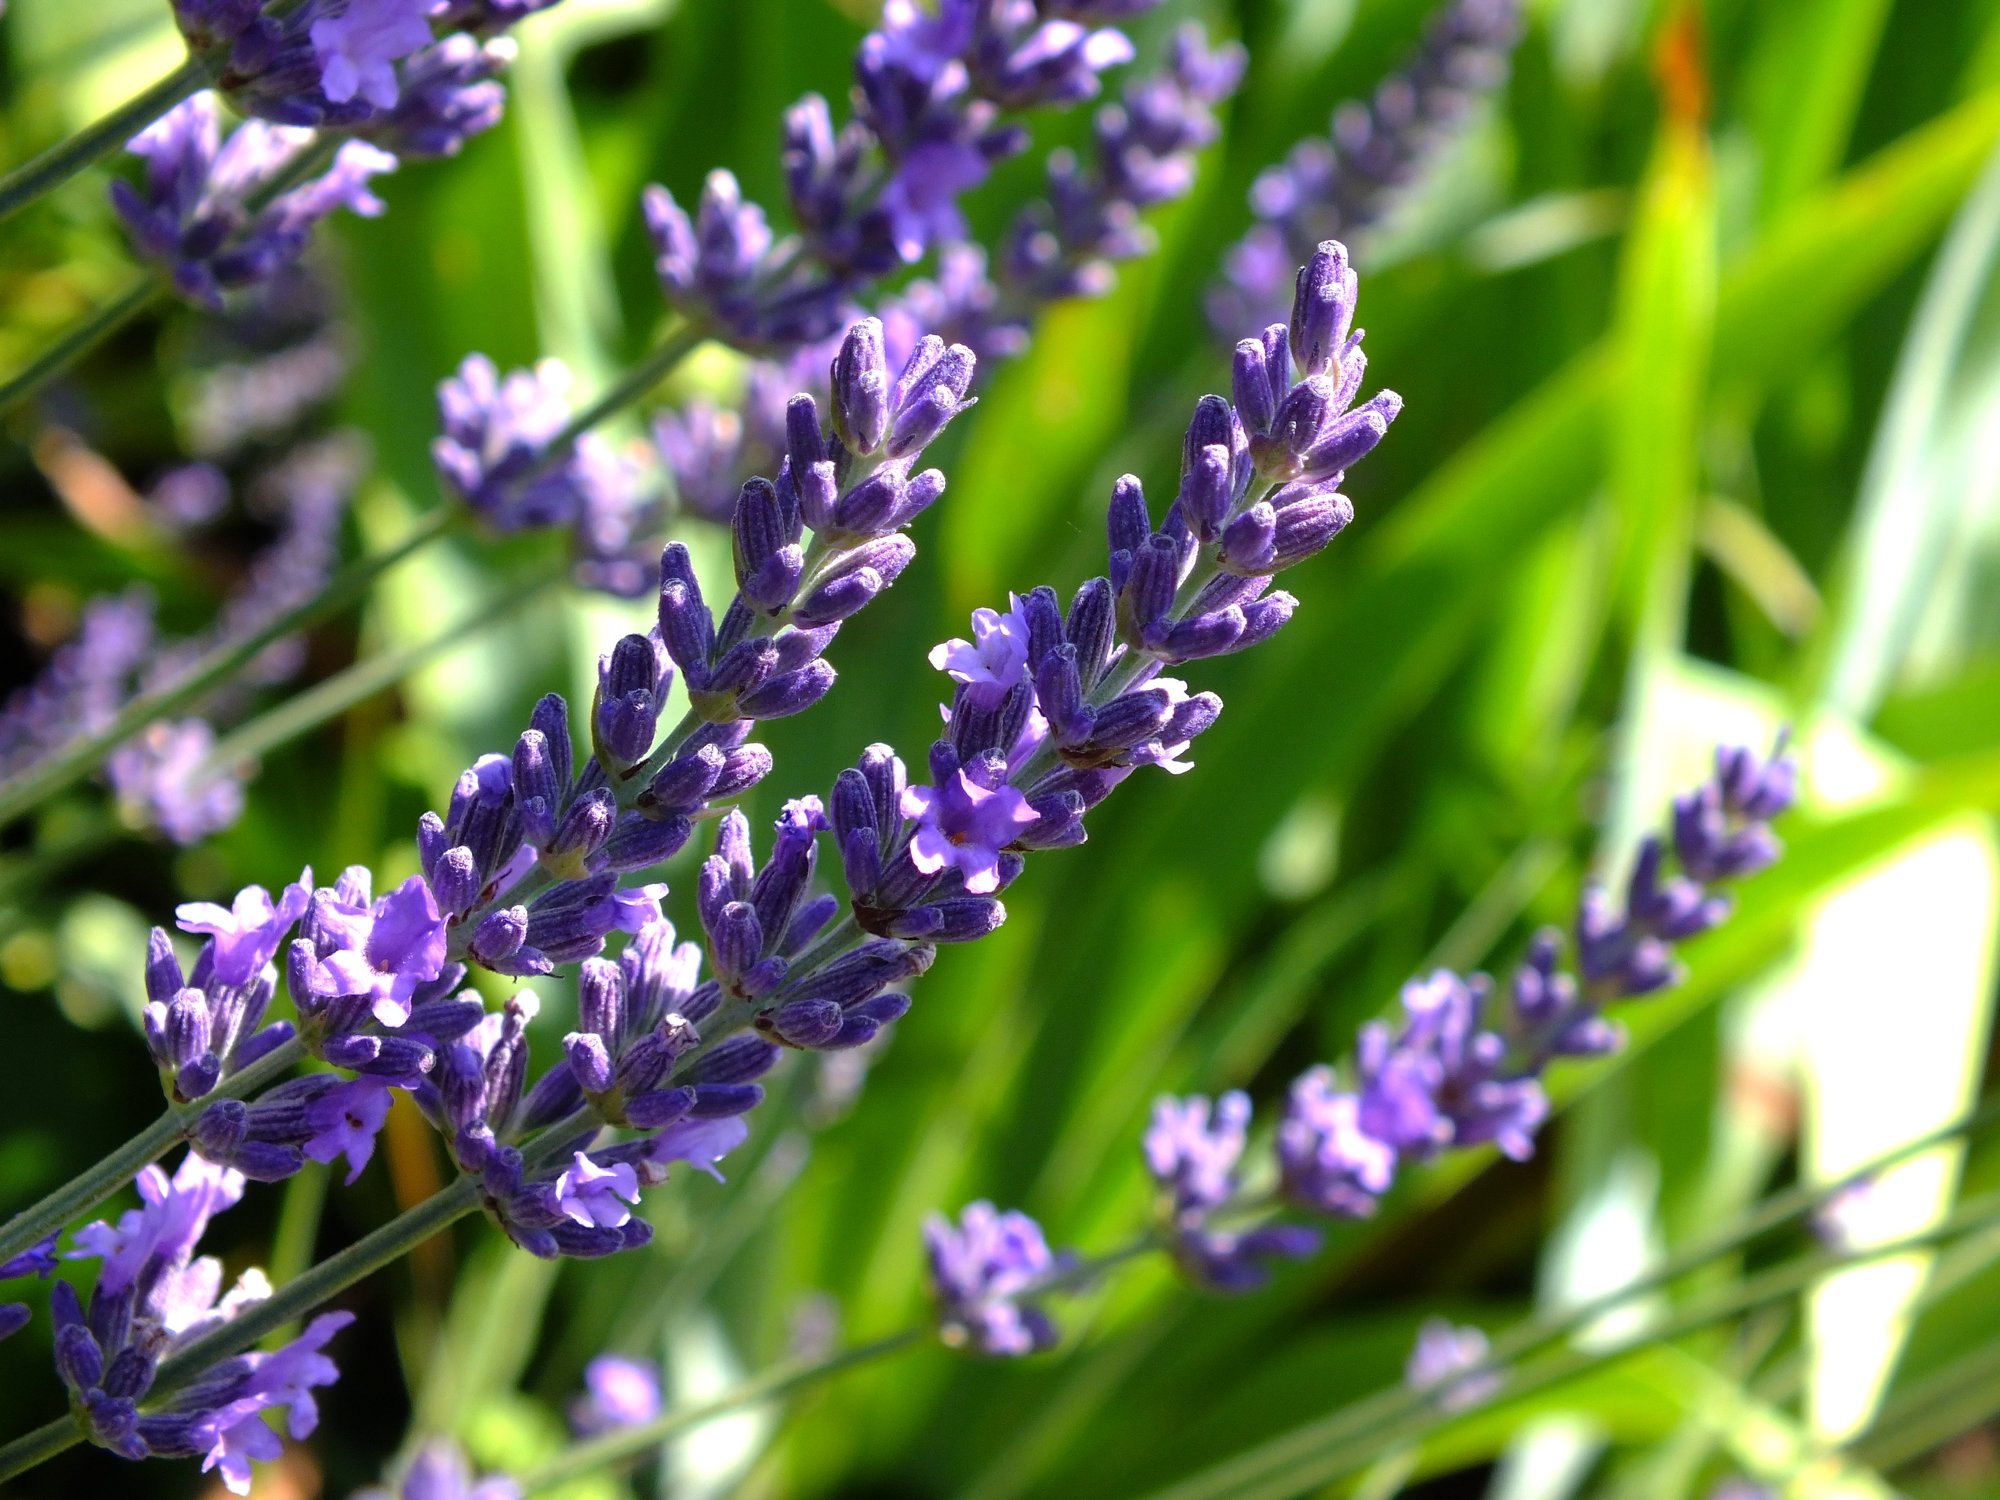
[1698,328]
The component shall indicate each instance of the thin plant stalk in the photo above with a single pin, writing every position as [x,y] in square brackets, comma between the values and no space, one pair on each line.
[73,762]
[102,138]
[80,339]
[81,1194]
[1320,1452]
[628,1443]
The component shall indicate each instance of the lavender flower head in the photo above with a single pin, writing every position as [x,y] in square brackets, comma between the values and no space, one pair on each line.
[440,1472]
[194,212]
[1442,1362]
[984,1271]
[1340,185]
[154,1297]
[1193,1150]
[619,1392]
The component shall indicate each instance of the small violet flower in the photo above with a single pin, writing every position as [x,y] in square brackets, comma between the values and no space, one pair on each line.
[983,1270]
[591,1194]
[248,931]
[993,660]
[620,1392]
[963,825]
[358,47]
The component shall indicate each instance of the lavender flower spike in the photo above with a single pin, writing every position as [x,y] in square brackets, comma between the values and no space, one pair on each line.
[620,1393]
[1192,1152]
[1441,1362]
[154,1297]
[983,1272]
[194,217]
[1339,185]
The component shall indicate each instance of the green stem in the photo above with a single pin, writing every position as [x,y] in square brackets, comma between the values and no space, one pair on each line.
[81,1194]
[33,869]
[50,775]
[93,143]
[364,679]
[632,1442]
[1320,1452]
[633,384]
[292,1301]
[79,339]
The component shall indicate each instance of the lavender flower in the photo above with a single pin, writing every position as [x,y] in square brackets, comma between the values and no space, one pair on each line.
[154,1297]
[439,1472]
[1462,1070]
[194,214]
[984,1273]
[449,93]
[1443,1362]
[1327,1162]
[324,63]
[963,824]
[1340,185]
[162,779]
[40,1261]
[620,1392]
[1192,1152]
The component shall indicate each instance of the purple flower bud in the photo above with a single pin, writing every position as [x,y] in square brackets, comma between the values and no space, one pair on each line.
[861,389]
[1322,308]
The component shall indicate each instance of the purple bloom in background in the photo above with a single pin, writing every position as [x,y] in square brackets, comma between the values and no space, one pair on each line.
[84,683]
[1328,1163]
[1192,1151]
[983,1272]
[498,454]
[1193,1146]
[194,213]
[619,1392]
[1441,1360]
[964,825]
[440,1472]
[1341,184]
[358,47]
[162,779]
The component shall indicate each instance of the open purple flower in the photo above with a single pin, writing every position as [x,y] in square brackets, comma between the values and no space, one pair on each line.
[983,1271]
[358,47]
[247,932]
[993,660]
[345,1121]
[596,1196]
[963,825]
[387,950]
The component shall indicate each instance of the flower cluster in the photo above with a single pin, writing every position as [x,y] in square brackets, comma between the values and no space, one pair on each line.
[167,777]
[1456,1071]
[1341,184]
[985,1272]
[196,213]
[439,1472]
[218,215]
[154,1297]
[1061,247]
